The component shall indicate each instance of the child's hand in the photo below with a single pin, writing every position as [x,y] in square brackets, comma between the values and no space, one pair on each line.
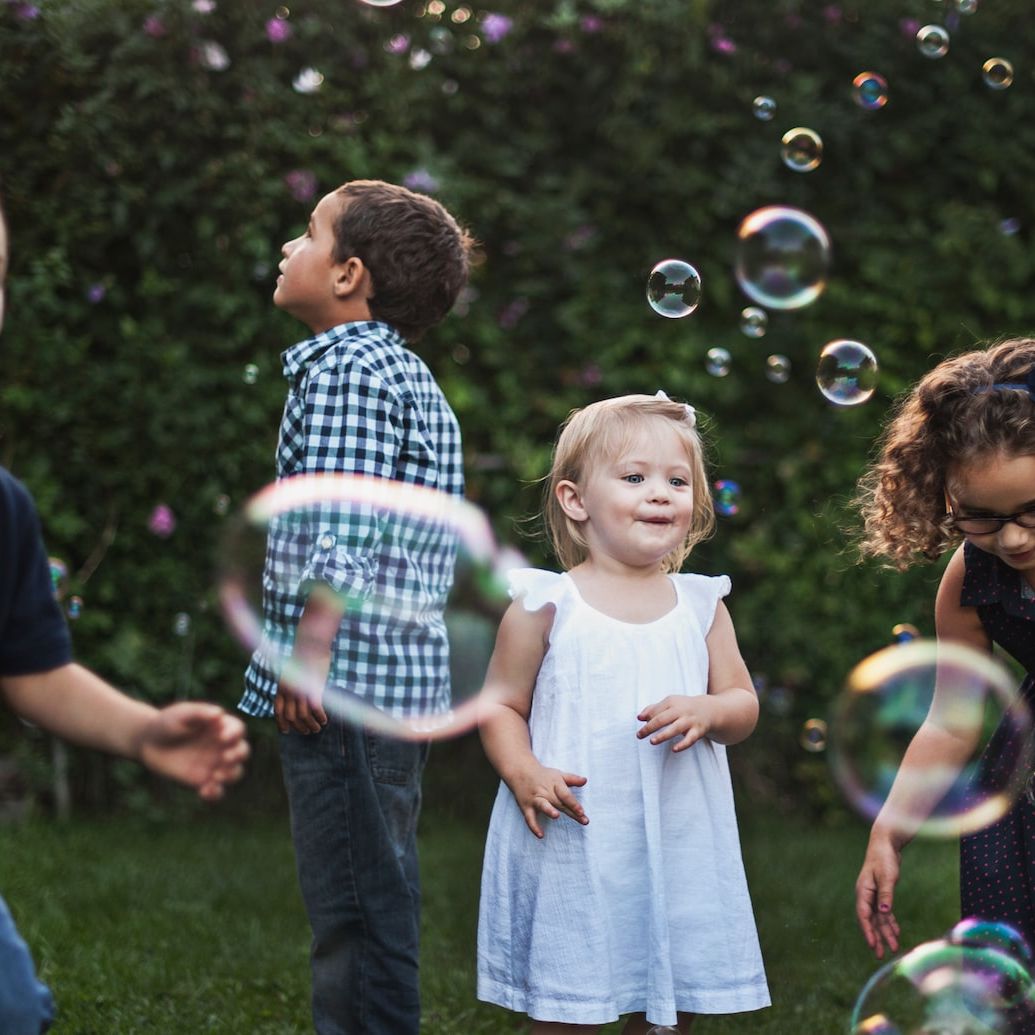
[875,891]
[677,716]
[539,789]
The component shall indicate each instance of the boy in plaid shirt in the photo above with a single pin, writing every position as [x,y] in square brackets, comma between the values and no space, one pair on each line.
[376,267]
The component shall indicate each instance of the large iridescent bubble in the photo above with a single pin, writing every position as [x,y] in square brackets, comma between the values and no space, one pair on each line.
[782,257]
[381,555]
[947,987]
[967,704]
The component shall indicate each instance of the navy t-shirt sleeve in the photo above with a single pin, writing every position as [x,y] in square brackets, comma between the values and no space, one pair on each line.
[33,632]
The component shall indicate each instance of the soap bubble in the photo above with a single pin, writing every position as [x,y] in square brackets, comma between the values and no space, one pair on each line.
[1009,226]
[847,372]
[674,288]
[727,497]
[870,90]
[889,696]
[782,257]
[365,537]
[991,934]
[717,362]
[250,374]
[212,55]
[939,987]
[801,149]
[904,632]
[764,108]
[814,735]
[382,3]
[754,321]
[778,369]
[74,608]
[932,41]
[58,576]
[997,73]
[966,6]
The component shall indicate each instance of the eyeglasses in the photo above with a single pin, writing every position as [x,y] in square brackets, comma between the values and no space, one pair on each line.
[989,523]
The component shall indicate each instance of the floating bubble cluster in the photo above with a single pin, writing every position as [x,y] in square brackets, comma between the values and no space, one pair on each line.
[674,288]
[754,322]
[352,528]
[717,362]
[801,149]
[870,91]
[974,981]
[997,73]
[764,108]
[782,257]
[932,41]
[727,497]
[847,372]
[954,692]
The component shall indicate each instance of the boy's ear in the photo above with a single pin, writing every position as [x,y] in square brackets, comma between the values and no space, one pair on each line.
[350,277]
[570,499]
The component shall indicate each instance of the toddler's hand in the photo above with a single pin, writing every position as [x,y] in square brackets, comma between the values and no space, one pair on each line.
[544,790]
[676,716]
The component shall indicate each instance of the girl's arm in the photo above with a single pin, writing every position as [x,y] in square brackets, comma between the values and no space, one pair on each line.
[503,720]
[936,748]
[727,714]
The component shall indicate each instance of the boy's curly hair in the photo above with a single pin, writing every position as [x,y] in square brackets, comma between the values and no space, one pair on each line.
[417,254]
[967,407]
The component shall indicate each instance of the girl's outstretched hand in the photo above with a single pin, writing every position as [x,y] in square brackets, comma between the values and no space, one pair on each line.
[538,789]
[677,716]
[875,892]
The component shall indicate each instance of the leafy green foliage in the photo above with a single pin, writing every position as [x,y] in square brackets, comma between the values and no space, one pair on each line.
[147,195]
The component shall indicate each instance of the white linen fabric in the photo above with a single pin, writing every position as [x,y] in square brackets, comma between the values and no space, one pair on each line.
[646,908]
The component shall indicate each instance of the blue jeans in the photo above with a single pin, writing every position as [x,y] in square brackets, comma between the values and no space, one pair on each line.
[354,799]
[26,1005]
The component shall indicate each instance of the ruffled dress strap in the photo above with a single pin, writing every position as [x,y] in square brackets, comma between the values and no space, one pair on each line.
[536,588]
[701,594]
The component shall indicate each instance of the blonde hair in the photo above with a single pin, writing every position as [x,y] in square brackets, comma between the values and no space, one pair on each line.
[604,430]
[967,407]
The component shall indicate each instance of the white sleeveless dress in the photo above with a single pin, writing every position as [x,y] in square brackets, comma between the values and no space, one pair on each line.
[646,909]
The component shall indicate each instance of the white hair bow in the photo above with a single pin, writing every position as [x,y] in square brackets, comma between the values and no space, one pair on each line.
[690,413]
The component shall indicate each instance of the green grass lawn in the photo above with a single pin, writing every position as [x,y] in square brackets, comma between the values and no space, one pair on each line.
[198,926]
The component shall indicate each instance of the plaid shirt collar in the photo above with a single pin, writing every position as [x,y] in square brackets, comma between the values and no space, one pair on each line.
[298,357]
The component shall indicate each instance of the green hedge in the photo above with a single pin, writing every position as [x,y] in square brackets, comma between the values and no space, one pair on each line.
[149,188]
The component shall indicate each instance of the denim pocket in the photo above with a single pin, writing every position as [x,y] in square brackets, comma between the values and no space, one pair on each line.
[392,761]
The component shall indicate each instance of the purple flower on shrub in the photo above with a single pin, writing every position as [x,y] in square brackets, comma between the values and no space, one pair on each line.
[301,183]
[909,27]
[26,12]
[512,313]
[95,293]
[580,237]
[422,180]
[204,6]
[154,26]
[398,44]
[591,23]
[278,30]
[723,45]
[496,26]
[162,521]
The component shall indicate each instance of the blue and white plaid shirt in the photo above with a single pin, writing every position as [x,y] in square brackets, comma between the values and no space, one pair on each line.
[361,403]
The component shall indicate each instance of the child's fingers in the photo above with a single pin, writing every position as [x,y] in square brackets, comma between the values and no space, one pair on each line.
[530,821]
